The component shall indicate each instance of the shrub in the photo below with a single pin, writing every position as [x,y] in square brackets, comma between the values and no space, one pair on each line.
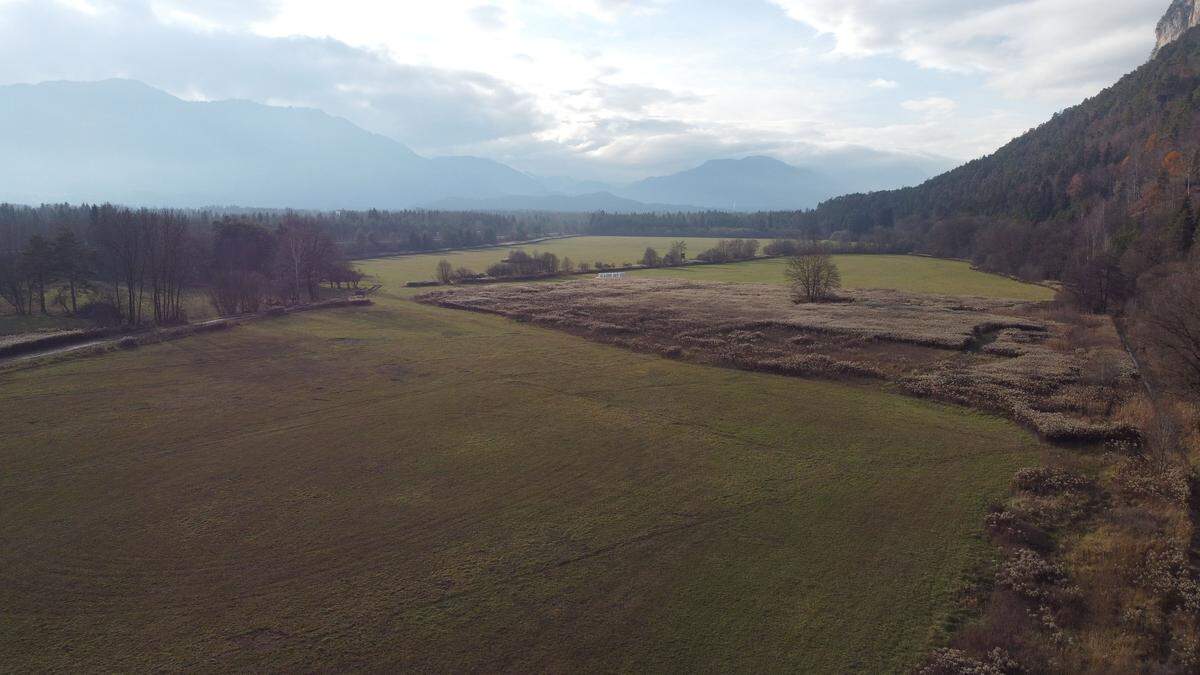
[1010,528]
[727,250]
[783,247]
[100,312]
[957,662]
[1139,478]
[1051,481]
[1029,575]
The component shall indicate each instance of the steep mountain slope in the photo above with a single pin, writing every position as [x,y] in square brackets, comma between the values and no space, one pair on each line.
[1122,161]
[123,141]
[1182,15]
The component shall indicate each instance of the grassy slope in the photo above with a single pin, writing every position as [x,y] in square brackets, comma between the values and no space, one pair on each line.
[405,486]
[898,272]
[906,273]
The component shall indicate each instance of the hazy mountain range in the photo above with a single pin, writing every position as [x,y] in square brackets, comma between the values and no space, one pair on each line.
[126,142]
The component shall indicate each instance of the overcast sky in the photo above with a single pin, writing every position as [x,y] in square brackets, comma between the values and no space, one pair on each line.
[611,89]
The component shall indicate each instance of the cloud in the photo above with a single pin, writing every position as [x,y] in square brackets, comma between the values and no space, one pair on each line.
[934,106]
[609,89]
[611,10]
[1058,49]
[488,17]
[423,106]
[216,12]
[631,98]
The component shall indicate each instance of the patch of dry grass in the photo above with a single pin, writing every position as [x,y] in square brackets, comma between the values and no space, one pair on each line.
[1060,375]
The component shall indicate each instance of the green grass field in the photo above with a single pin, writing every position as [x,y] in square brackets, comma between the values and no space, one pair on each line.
[408,487]
[900,272]
[613,250]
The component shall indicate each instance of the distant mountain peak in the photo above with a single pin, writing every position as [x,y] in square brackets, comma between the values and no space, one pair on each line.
[1181,16]
[124,141]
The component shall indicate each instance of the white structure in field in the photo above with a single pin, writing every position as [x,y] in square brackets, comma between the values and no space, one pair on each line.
[611,275]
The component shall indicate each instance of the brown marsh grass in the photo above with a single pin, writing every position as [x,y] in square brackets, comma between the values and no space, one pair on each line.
[1061,375]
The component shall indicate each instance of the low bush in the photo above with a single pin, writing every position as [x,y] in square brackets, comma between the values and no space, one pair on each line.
[1046,481]
[1030,576]
[1140,478]
[956,662]
[1012,529]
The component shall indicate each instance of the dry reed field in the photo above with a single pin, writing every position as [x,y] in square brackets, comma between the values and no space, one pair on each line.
[1061,375]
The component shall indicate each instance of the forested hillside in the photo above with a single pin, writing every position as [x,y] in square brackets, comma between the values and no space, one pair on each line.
[1113,172]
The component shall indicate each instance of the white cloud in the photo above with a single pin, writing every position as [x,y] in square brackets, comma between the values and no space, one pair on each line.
[881,83]
[422,105]
[1058,49]
[934,106]
[488,17]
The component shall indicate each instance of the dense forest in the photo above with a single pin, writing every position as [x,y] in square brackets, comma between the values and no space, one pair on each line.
[1118,172]
[357,233]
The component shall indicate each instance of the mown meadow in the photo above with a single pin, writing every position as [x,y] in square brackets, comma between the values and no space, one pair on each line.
[404,486]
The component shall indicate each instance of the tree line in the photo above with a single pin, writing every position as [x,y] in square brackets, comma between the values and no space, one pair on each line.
[135,266]
[357,233]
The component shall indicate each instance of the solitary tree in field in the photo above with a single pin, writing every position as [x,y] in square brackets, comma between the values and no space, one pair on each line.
[814,277]
[445,271]
[650,258]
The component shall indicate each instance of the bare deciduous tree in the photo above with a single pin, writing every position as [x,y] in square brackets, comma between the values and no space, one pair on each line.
[306,252]
[1171,310]
[445,272]
[814,277]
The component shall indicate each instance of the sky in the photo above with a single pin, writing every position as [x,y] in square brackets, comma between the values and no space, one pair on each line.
[612,90]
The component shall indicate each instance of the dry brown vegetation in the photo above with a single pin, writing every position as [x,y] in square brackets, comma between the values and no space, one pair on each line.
[1060,373]
[1096,574]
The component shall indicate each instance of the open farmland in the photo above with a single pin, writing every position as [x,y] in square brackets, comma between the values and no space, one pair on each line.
[398,270]
[913,274]
[406,486]
[909,273]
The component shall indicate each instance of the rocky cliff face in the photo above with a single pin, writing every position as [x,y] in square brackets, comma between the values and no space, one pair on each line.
[1182,15]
